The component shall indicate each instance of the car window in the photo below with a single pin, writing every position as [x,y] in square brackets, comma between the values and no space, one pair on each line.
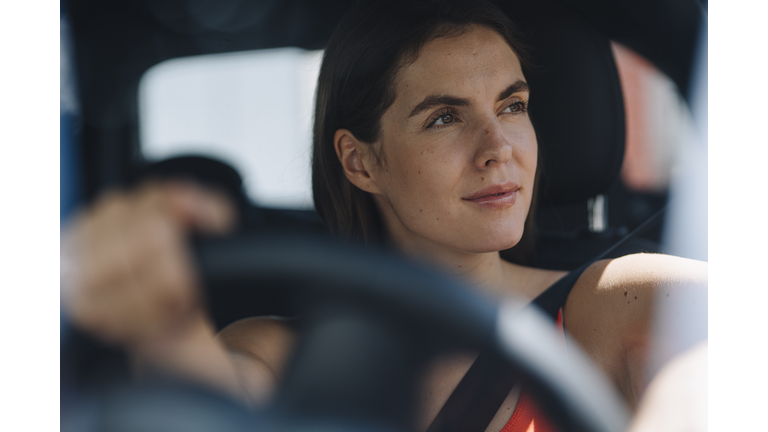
[252,110]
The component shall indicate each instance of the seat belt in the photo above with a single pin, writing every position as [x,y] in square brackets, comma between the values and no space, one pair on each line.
[634,232]
[479,395]
[477,398]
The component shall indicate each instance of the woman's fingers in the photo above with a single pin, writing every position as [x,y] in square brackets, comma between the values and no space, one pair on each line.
[126,272]
[197,207]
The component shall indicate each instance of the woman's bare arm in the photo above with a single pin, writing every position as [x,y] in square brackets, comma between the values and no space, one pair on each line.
[259,348]
[611,311]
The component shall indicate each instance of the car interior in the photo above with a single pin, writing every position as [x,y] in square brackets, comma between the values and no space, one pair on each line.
[583,211]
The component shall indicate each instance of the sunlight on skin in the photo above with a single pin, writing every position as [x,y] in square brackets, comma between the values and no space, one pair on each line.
[627,292]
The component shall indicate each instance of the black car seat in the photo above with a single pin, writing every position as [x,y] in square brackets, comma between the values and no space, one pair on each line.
[577,110]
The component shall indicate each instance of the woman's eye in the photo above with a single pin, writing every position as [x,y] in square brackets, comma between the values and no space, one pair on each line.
[516,107]
[444,119]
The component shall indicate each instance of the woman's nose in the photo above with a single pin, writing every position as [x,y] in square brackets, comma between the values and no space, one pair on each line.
[493,146]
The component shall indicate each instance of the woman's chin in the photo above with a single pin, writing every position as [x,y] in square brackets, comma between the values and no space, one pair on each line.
[493,242]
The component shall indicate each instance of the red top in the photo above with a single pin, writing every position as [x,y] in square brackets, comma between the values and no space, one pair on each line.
[528,417]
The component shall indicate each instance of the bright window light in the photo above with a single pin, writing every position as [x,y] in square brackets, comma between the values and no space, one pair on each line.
[252,110]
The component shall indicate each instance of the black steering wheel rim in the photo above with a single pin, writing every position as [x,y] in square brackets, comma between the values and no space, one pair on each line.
[448,315]
[381,309]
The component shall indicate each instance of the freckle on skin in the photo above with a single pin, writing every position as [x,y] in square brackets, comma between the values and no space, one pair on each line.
[625,293]
[635,297]
[437,219]
[482,178]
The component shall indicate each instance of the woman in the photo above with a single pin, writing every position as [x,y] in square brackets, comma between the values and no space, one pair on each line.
[422,141]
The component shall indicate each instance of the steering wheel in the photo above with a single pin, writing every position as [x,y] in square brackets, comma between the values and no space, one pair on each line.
[370,320]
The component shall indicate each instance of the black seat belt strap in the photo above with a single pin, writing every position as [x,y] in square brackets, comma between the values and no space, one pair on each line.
[477,398]
[479,395]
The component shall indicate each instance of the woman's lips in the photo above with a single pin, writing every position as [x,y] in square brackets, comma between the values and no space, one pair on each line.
[496,196]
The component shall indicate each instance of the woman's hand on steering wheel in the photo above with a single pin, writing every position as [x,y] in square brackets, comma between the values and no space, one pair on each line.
[126,272]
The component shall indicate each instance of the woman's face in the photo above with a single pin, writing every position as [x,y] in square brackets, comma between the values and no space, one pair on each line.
[458,149]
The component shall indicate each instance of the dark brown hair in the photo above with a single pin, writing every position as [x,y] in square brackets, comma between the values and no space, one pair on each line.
[357,85]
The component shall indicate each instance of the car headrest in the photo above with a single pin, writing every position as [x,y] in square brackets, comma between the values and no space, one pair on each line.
[576,102]
[201,169]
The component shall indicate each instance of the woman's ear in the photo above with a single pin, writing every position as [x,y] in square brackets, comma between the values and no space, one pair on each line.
[353,157]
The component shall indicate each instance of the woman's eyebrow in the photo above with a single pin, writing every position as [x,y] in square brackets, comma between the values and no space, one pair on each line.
[518,86]
[435,100]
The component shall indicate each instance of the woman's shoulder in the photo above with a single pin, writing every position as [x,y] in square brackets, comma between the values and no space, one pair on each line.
[641,270]
[610,310]
[626,288]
